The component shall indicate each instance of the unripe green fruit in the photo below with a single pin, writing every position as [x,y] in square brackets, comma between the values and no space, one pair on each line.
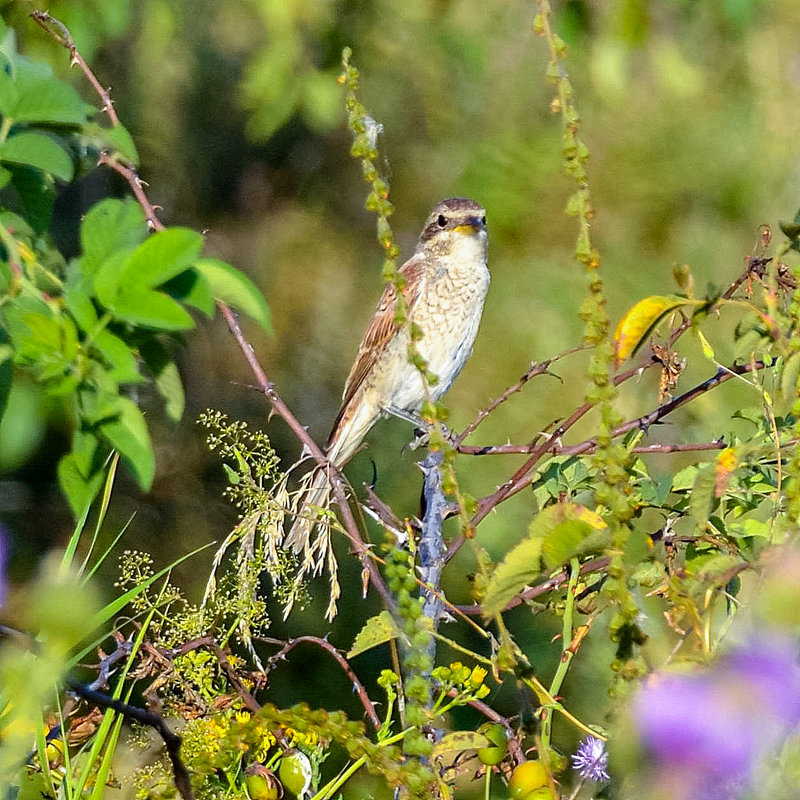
[261,783]
[496,752]
[295,772]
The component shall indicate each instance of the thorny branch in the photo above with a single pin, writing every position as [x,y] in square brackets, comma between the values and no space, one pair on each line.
[358,687]
[60,33]
[172,741]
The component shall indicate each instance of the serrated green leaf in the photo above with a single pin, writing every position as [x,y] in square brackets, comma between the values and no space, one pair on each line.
[377,630]
[34,149]
[109,226]
[46,99]
[234,288]
[128,434]
[521,566]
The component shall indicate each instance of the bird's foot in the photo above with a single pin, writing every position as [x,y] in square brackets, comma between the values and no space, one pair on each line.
[422,428]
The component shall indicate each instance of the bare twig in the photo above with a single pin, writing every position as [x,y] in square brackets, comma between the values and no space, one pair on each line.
[60,33]
[537,368]
[172,741]
[523,477]
[358,687]
[555,582]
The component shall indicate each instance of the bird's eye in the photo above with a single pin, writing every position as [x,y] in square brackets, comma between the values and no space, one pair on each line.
[441,221]
[483,221]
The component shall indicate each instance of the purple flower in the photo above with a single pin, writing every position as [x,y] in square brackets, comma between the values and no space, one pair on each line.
[715,727]
[591,760]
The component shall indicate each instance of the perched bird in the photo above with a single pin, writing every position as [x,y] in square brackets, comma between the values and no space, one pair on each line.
[444,286]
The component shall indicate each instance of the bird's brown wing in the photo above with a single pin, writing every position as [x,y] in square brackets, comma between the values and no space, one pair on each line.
[382,328]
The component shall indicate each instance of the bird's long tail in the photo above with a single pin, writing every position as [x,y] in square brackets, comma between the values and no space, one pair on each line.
[312,503]
[315,553]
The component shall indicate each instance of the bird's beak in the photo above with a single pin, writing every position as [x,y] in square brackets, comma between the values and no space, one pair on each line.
[472,226]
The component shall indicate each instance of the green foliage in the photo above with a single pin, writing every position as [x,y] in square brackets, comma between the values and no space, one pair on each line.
[88,330]
[645,562]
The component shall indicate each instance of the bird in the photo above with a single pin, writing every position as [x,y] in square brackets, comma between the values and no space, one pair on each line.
[444,285]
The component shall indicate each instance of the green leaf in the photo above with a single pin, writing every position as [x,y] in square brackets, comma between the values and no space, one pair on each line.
[234,288]
[37,150]
[377,630]
[120,141]
[119,356]
[162,256]
[702,496]
[167,377]
[790,375]
[556,534]
[714,568]
[109,226]
[128,434]
[78,302]
[571,538]
[459,741]
[153,310]
[9,95]
[684,479]
[192,289]
[46,99]
[85,451]
[36,196]
[521,566]
[79,490]
[6,375]
[754,528]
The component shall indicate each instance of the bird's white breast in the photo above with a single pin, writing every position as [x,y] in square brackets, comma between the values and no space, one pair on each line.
[449,313]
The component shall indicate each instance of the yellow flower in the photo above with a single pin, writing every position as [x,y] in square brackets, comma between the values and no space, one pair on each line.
[477,676]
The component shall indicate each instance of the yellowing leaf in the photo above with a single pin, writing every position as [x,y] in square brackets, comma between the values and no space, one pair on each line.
[555,535]
[458,741]
[639,321]
[727,461]
[377,630]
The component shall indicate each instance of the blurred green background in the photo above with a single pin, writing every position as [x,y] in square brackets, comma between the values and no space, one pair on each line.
[692,115]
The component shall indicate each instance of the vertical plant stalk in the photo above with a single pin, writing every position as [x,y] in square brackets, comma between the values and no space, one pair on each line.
[610,458]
